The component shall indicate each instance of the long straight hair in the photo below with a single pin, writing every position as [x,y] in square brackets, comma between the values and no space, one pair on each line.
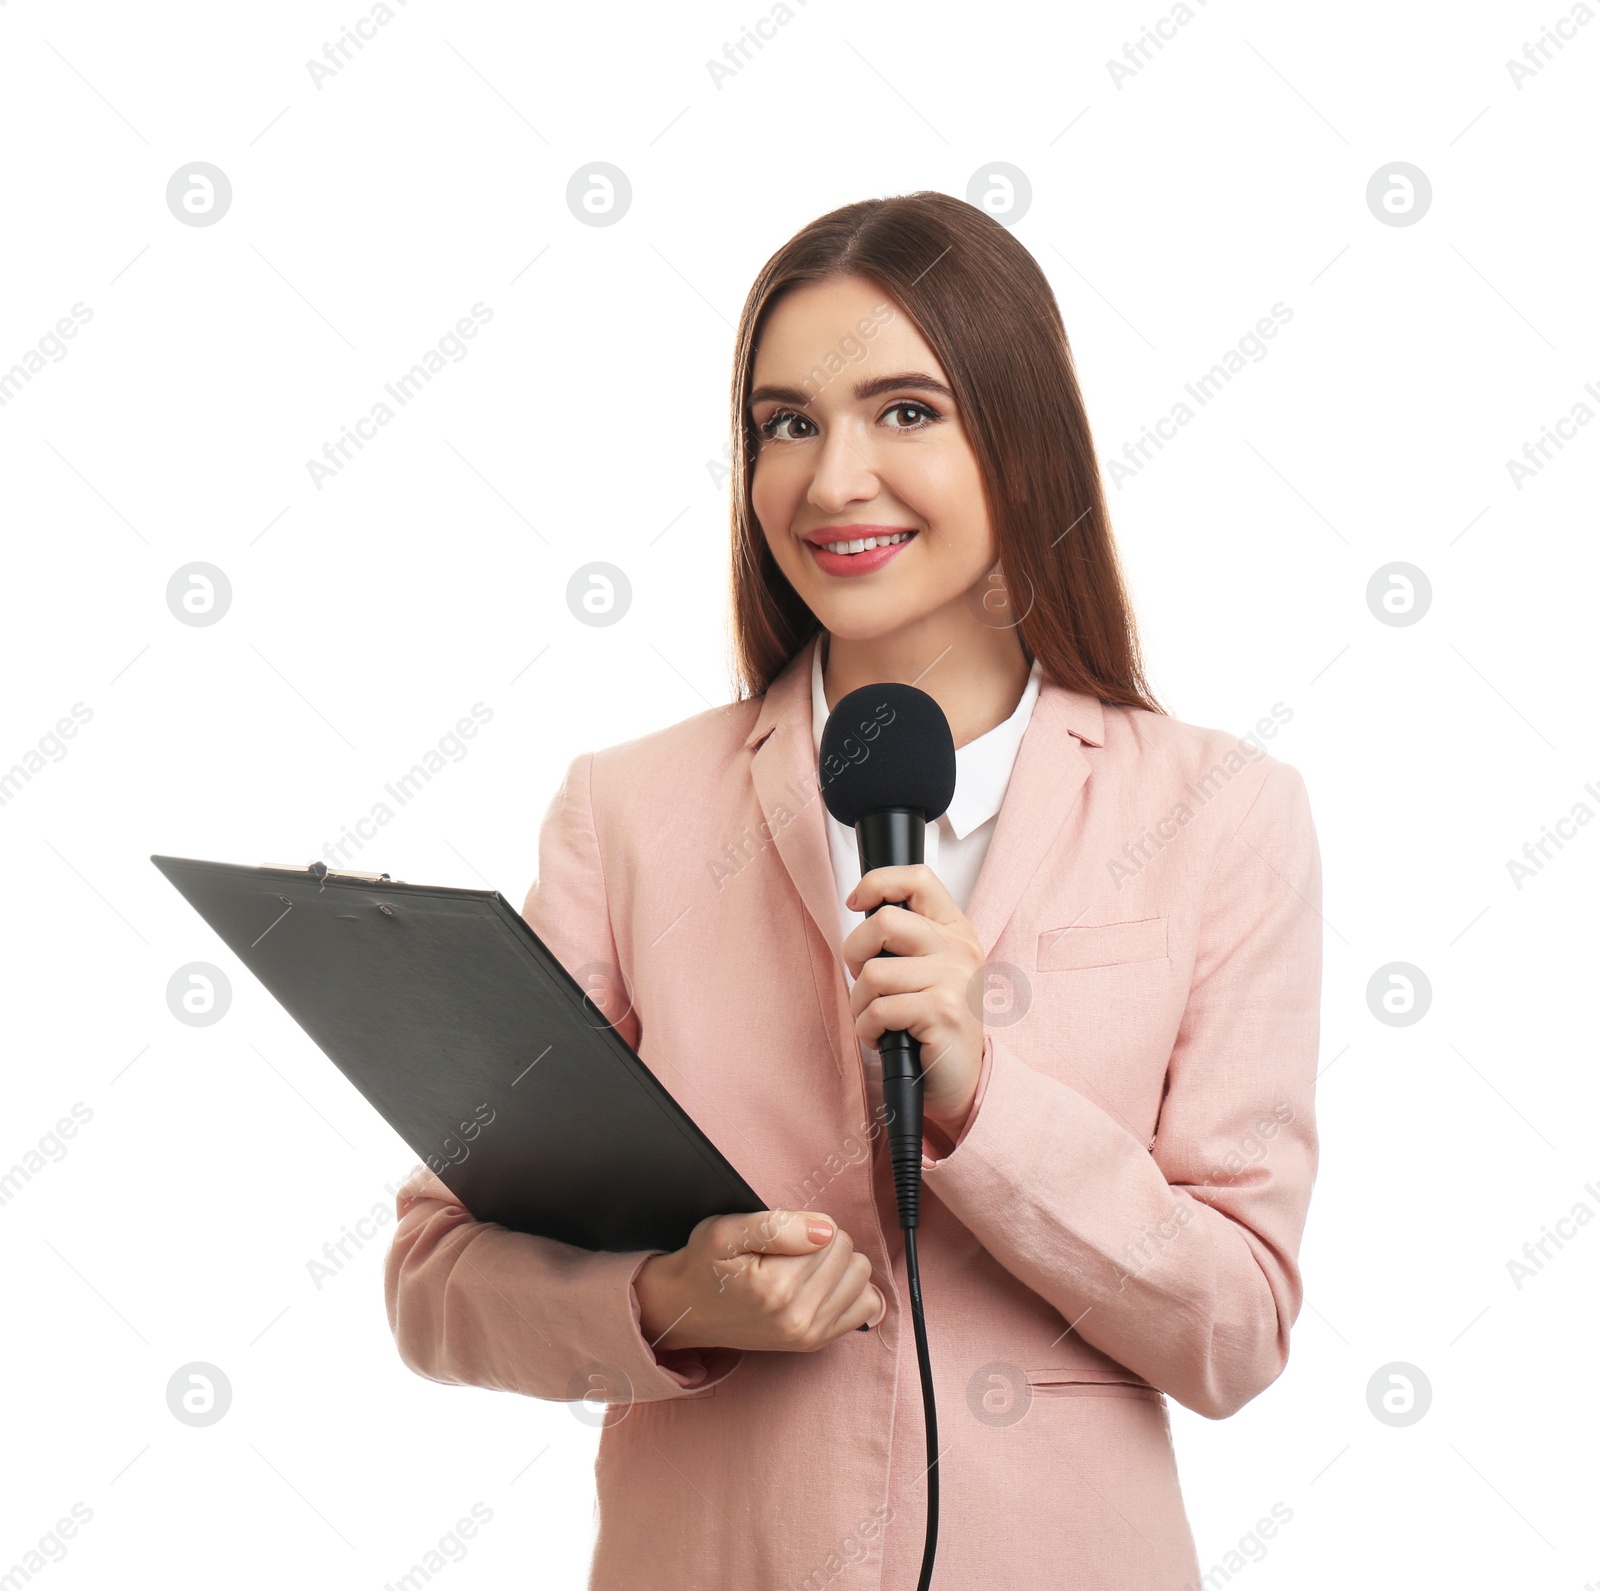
[984,307]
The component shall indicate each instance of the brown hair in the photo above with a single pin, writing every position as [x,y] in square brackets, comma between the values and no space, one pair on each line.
[983,305]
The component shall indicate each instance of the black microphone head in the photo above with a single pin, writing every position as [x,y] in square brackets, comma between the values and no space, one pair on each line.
[887,748]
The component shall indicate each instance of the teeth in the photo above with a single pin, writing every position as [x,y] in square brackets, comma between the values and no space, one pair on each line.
[861,546]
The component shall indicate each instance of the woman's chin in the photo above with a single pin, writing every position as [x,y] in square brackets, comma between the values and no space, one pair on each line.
[859,621]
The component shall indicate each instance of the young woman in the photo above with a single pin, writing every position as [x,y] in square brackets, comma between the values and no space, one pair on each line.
[1111,958]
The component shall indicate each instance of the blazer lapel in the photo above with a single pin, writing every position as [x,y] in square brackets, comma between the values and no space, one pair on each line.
[1046,780]
[785,772]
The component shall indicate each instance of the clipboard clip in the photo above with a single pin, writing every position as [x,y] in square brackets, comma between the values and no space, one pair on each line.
[321,870]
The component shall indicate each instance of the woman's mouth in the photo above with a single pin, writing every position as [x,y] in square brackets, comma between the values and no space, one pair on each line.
[858,555]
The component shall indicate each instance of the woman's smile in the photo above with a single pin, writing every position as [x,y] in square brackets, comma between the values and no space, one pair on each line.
[855,549]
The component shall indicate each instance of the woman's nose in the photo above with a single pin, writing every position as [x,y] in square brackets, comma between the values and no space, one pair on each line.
[843,474]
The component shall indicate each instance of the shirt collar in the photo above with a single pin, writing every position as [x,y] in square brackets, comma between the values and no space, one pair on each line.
[983,766]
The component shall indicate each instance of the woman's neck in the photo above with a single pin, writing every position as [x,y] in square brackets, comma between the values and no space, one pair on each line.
[977,677]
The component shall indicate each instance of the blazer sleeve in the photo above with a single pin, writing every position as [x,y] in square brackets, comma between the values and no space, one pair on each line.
[1178,1259]
[473,1303]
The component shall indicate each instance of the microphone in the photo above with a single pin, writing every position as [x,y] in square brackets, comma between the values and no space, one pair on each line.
[887,766]
[888,769]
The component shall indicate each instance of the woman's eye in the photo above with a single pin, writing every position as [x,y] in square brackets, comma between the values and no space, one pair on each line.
[769,427]
[916,408]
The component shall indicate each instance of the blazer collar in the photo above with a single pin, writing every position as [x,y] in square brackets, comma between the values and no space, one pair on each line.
[1046,780]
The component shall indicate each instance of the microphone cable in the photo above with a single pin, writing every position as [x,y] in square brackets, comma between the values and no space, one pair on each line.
[902,1093]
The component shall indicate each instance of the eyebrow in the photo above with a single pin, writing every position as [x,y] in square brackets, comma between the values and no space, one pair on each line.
[907,381]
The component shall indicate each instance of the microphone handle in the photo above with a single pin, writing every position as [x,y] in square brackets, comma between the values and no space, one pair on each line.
[894,838]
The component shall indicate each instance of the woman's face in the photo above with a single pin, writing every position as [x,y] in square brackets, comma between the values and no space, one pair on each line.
[858,436]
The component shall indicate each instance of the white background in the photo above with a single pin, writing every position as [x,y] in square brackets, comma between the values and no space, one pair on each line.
[368,215]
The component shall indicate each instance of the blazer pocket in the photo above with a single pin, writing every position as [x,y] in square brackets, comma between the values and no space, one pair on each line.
[1102,944]
[1069,1383]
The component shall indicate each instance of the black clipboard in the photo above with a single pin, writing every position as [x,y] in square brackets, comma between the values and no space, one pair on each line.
[459,1025]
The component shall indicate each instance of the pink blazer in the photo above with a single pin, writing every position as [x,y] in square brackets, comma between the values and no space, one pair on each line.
[1118,1223]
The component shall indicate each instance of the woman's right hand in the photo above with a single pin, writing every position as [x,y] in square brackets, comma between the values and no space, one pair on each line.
[760,1281]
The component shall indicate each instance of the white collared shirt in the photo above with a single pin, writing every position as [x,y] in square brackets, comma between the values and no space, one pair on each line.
[954,846]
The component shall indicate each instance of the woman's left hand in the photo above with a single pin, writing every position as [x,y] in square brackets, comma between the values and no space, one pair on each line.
[923,988]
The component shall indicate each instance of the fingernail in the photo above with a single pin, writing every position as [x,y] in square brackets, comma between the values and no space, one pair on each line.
[820,1231]
[883,1309]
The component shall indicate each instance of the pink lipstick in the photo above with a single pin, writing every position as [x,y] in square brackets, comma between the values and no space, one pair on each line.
[864,562]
